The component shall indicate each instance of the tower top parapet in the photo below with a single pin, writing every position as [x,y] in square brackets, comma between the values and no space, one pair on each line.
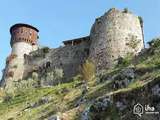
[23,33]
[22,25]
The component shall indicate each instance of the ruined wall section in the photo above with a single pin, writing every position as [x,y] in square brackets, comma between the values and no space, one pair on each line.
[114,35]
[67,58]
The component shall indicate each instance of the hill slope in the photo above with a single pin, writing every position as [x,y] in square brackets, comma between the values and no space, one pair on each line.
[109,95]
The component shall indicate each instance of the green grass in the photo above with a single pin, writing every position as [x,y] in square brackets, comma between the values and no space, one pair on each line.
[65,96]
[14,107]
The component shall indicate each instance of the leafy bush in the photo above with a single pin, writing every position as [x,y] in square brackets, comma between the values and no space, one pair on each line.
[8,97]
[45,50]
[125,10]
[154,42]
[52,77]
[35,76]
[123,62]
[58,73]
[21,86]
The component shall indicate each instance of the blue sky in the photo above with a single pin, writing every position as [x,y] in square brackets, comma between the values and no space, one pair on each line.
[60,20]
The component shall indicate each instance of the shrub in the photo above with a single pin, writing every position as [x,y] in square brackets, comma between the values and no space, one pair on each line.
[58,73]
[35,76]
[52,77]
[125,10]
[88,70]
[154,42]
[123,62]
[21,86]
[28,84]
[2,93]
[7,97]
[45,50]
[77,78]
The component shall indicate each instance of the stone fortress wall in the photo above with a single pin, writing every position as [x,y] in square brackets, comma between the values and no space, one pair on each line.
[19,50]
[68,58]
[113,35]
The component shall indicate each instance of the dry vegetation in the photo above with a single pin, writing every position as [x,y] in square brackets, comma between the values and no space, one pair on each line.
[88,70]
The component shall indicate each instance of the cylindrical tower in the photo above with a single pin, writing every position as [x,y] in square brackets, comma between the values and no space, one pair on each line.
[23,39]
[114,35]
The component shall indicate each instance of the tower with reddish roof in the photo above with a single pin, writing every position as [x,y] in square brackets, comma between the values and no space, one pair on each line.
[24,39]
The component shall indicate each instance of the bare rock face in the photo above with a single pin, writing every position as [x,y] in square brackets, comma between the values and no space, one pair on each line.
[54,117]
[124,78]
[121,105]
[156,90]
[113,35]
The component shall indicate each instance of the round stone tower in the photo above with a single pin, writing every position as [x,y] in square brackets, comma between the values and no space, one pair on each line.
[23,39]
[114,35]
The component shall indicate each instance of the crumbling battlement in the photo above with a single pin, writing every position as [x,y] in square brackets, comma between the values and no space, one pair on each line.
[67,58]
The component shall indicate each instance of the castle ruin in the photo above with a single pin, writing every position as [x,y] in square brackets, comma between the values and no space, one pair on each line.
[115,34]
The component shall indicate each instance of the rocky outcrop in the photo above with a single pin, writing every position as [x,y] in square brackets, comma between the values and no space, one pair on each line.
[120,105]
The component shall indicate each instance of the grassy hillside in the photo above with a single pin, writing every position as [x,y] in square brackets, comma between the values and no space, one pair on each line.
[109,95]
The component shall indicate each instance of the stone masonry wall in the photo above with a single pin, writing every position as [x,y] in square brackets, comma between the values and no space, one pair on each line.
[67,58]
[21,48]
[114,35]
